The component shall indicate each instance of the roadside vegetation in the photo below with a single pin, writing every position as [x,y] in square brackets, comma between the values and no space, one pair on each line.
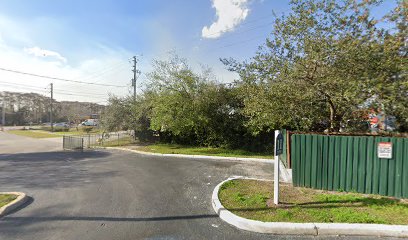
[254,200]
[33,133]
[6,199]
[117,142]
[46,132]
[194,150]
[326,67]
[79,131]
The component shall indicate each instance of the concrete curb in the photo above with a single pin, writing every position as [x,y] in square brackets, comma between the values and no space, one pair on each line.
[315,229]
[285,174]
[20,200]
[263,160]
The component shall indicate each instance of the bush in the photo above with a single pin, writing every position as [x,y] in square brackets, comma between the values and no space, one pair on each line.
[56,129]
[87,129]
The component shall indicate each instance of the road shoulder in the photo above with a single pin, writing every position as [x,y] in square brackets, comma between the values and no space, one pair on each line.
[315,229]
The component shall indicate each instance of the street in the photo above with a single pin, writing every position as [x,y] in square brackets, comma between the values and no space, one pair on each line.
[110,194]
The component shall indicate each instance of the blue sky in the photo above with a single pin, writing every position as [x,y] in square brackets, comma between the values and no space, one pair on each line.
[93,40]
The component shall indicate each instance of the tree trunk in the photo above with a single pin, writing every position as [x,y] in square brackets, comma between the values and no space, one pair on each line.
[334,119]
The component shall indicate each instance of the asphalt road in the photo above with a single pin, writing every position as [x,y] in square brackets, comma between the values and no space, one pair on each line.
[11,144]
[115,195]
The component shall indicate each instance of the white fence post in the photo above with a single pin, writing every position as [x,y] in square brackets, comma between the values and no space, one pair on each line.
[276,174]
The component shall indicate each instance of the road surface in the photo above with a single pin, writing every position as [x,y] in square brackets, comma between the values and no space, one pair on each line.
[115,195]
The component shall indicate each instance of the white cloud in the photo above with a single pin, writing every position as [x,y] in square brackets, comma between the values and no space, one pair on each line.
[38,52]
[230,13]
[109,66]
[20,50]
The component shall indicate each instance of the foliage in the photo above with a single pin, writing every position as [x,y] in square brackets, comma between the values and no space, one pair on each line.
[87,129]
[326,65]
[324,61]
[26,108]
[193,108]
[55,129]
[390,77]
[128,114]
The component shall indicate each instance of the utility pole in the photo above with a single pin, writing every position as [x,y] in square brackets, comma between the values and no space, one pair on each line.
[134,77]
[3,113]
[52,96]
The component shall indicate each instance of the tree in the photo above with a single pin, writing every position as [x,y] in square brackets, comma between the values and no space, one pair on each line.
[193,108]
[127,114]
[320,65]
[390,79]
[176,92]
[116,115]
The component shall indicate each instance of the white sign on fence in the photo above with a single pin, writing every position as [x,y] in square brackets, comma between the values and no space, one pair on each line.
[384,150]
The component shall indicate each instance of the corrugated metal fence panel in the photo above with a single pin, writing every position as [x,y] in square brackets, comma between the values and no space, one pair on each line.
[349,163]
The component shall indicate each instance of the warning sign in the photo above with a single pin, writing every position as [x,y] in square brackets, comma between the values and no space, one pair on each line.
[385,150]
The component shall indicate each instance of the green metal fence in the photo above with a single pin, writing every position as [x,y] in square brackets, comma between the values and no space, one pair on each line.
[350,163]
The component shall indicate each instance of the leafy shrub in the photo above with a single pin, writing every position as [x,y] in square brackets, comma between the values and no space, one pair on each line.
[56,129]
[87,129]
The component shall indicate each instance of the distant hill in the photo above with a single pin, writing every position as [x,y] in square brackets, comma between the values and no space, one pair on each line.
[23,108]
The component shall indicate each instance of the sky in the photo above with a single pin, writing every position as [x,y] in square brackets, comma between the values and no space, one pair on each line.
[93,41]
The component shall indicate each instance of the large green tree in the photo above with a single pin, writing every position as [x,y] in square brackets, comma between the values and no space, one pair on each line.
[323,62]
[193,108]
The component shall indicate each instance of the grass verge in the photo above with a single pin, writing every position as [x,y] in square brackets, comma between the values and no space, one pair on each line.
[6,199]
[251,199]
[192,150]
[117,142]
[33,133]
[74,131]
[47,134]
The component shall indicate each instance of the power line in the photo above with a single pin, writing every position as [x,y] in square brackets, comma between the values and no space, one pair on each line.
[114,68]
[43,92]
[97,75]
[242,24]
[246,30]
[74,92]
[235,43]
[42,88]
[18,84]
[39,90]
[58,79]
[70,94]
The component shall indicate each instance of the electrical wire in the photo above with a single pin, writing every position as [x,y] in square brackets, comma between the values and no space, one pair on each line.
[57,90]
[18,84]
[58,79]
[70,94]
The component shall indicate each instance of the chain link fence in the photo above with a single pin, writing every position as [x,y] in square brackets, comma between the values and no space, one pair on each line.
[111,139]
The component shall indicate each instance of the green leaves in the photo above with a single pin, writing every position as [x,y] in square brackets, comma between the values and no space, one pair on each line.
[325,61]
